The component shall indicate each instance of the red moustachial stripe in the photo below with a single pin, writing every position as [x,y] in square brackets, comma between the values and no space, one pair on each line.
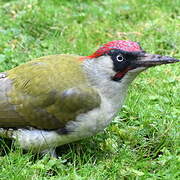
[123,45]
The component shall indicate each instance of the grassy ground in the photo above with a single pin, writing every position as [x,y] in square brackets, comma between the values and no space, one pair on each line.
[143,141]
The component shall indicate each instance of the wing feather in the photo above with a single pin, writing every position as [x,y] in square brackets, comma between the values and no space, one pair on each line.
[39,94]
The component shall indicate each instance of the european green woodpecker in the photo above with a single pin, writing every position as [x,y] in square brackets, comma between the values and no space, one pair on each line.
[58,99]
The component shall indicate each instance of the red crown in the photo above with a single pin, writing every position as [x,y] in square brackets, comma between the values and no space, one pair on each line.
[117,44]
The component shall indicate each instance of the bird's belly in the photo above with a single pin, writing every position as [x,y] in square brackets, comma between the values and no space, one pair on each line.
[92,122]
[85,125]
[39,140]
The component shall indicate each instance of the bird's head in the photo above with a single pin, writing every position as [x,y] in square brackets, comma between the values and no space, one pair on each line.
[126,56]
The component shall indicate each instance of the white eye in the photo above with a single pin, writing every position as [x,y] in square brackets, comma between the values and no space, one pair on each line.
[119,58]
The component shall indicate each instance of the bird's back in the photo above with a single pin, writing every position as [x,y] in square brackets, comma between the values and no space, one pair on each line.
[27,90]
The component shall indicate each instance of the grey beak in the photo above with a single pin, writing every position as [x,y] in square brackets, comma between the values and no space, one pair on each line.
[149,60]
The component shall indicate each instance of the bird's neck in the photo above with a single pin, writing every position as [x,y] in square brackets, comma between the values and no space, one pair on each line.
[99,73]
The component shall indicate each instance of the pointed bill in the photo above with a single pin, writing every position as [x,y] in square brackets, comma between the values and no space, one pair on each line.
[149,60]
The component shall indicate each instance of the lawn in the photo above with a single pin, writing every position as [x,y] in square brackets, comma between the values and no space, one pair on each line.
[143,141]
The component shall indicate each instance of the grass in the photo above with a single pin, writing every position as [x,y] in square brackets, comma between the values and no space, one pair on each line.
[143,140]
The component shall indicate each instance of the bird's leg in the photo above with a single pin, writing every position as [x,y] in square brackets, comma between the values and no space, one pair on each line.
[51,152]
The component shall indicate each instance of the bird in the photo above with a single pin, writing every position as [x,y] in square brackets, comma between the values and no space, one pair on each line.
[58,99]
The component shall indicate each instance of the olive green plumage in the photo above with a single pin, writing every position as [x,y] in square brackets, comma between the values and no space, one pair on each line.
[46,93]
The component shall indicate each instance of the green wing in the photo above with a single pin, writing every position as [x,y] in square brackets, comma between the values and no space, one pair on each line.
[39,94]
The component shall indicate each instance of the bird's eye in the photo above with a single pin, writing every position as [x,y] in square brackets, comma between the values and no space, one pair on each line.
[119,58]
